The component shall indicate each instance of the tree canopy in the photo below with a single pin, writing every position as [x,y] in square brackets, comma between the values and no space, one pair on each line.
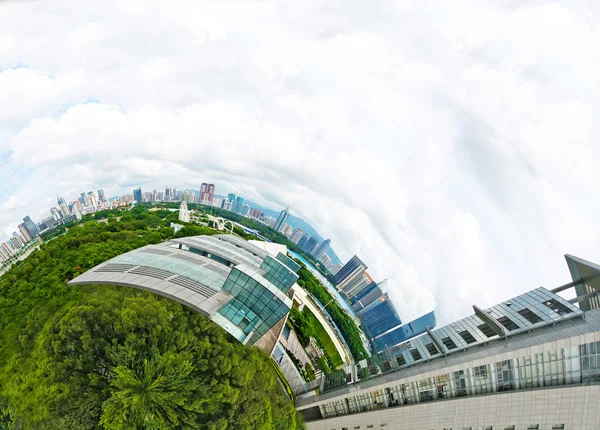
[118,358]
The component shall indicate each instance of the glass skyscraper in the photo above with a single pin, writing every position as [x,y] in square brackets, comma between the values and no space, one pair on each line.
[30,227]
[379,317]
[137,195]
[283,216]
[351,268]
[406,332]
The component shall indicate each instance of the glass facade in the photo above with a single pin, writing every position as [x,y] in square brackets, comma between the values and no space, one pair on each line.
[278,274]
[379,317]
[565,366]
[254,308]
[406,332]
[348,269]
[288,262]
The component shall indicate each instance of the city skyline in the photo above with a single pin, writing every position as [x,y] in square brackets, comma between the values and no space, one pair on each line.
[447,155]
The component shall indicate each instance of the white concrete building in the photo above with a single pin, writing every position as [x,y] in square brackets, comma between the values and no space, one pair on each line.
[532,362]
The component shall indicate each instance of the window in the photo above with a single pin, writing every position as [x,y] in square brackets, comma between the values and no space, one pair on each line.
[533,427]
[460,383]
[485,329]
[432,349]
[370,426]
[530,316]
[557,307]
[467,337]
[449,343]
[401,360]
[383,425]
[508,323]
[558,426]
[482,379]
[416,355]
[504,375]
[509,428]
[488,428]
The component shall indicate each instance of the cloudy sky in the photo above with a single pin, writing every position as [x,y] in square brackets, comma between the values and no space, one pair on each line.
[451,143]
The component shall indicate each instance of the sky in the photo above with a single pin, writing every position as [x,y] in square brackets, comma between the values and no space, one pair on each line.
[452,144]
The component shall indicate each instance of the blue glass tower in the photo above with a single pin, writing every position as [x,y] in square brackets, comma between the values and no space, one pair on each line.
[379,316]
[406,332]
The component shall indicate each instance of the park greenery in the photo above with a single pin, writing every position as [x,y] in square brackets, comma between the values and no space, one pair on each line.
[307,326]
[90,357]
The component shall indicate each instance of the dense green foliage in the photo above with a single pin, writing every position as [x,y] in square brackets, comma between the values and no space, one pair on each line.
[118,358]
[306,325]
[344,322]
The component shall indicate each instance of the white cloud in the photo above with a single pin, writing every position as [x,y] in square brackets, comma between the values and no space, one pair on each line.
[451,144]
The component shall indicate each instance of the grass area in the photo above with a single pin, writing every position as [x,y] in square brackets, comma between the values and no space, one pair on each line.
[284,381]
[325,342]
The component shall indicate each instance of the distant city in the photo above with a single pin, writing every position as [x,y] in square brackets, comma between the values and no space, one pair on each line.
[371,305]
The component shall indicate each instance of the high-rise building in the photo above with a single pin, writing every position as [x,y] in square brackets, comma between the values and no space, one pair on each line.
[184,213]
[350,269]
[365,297]
[325,260]
[76,212]
[322,249]
[405,332]
[310,245]
[302,241]
[30,227]
[160,196]
[231,197]
[169,195]
[137,195]
[287,230]
[218,202]
[335,268]
[155,196]
[379,316]
[207,193]
[283,216]
[355,284]
[189,196]
[238,206]
[92,199]
[24,232]
[269,221]
[55,214]
[296,235]
[101,196]
[83,199]
[62,205]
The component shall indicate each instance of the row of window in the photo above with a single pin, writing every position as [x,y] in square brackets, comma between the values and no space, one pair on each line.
[509,427]
[573,365]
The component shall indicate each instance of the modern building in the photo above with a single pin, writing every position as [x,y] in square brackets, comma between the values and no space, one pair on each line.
[189,196]
[281,220]
[29,227]
[310,245]
[184,213]
[55,214]
[355,284]
[62,205]
[353,267]
[24,232]
[237,285]
[530,362]
[238,205]
[207,193]
[102,196]
[405,332]
[169,194]
[287,230]
[365,297]
[379,316]
[302,241]
[93,202]
[322,249]
[137,195]
[296,235]
[335,268]
[325,260]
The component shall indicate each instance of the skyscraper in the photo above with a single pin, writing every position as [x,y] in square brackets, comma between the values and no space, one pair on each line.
[302,241]
[366,296]
[30,227]
[238,206]
[83,199]
[297,235]
[24,232]
[322,249]
[231,197]
[62,205]
[310,244]
[92,199]
[101,196]
[325,260]
[379,316]
[184,213]
[55,214]
[137,195]
[287,230]
[283,216]
[207,193]
[351,268]
[168,194]
[405,332]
